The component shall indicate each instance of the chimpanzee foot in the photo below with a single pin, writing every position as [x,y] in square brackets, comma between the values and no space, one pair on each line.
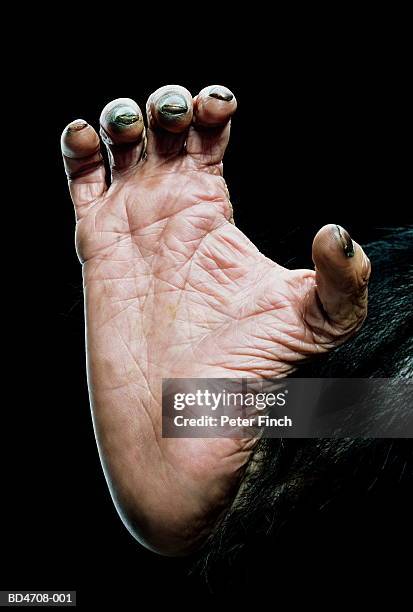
[173,289]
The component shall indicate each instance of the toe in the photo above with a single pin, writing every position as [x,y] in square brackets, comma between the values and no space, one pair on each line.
[208,139]
[83,164]
[123,132]
[214,106]
[170,111]
[342,274]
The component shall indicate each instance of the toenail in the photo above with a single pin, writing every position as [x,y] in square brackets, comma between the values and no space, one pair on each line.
[76,126]
[346,241]
[221,93]
[123,116]
[173,105]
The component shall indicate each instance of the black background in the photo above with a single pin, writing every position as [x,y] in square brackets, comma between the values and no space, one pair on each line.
[318,138]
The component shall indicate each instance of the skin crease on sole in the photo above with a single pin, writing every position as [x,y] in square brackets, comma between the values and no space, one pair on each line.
[173,289]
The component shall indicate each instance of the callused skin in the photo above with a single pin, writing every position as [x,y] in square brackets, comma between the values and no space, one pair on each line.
[173,289]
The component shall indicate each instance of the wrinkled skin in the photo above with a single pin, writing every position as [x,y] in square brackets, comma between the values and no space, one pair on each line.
[174,289]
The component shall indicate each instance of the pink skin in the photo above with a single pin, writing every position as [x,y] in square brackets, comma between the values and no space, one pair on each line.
[173,289]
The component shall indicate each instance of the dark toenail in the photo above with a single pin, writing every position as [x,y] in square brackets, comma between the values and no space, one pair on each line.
[173,104]
[221,94]
[76,126]
[123,116]
[346,241]
[126,118]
